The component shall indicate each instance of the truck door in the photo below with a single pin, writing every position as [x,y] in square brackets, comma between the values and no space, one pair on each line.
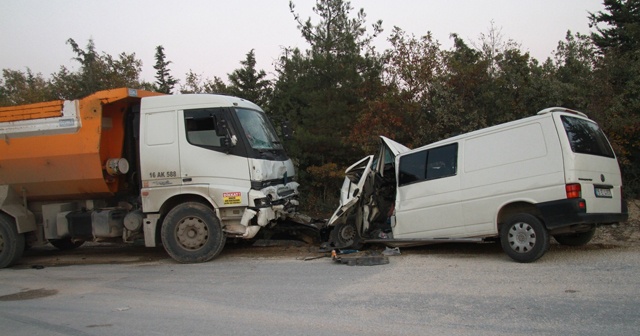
[209,156]
[159,152]
[428,197]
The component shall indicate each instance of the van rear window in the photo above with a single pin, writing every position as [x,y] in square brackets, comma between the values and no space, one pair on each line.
[586,137]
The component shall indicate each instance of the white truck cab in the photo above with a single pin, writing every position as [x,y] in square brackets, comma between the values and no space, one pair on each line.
[553,174]
[220,148]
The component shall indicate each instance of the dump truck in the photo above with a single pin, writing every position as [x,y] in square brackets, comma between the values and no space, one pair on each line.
[182,171]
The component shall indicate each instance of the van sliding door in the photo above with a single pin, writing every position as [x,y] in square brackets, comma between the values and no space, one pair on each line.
[428,199]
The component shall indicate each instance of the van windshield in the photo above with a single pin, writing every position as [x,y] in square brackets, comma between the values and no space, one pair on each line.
[586,137]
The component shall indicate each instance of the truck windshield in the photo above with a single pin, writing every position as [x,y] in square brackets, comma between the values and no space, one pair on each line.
[586,137]
[258,129]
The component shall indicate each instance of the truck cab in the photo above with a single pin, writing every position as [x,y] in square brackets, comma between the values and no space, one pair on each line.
[182,171]
[216,148]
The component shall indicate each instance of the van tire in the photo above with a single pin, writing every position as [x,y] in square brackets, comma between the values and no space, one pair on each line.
[12,243]
[191,233]
[524,238]
[345,235]
[575,239]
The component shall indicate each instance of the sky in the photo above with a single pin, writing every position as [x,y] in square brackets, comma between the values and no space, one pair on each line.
[211,37]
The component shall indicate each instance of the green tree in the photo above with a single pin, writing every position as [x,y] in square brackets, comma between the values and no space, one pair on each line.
[164,81]
[618,76]
[323,89]
[622,26]
[18,87]
[195,83]
[413,69]
[249,83]
[574,79]
[97,72]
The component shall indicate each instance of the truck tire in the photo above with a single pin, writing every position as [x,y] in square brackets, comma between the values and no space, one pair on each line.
[66,244]
[524,238]
[575,239]
[11,242]
[191,233]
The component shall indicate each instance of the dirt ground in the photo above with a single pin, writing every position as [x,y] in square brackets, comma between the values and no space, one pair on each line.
[607,237]
[627,233]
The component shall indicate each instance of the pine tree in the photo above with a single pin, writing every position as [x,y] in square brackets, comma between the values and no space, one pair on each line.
[164,81]
[622,21]
[249,83]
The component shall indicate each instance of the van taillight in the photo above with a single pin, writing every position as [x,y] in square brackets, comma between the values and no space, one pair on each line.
[573,190]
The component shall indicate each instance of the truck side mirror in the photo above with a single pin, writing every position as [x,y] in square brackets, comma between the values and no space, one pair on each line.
[222,129]
[225,142]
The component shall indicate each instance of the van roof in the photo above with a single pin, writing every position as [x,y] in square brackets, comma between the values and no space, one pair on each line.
[561,109]
[542,114]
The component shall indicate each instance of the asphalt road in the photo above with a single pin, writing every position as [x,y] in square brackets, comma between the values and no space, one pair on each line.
[447,289]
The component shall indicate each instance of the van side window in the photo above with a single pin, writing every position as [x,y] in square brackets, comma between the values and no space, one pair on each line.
[201,128]
[429,164]
[586,137]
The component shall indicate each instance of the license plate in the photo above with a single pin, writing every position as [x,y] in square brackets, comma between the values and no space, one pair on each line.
[600,192]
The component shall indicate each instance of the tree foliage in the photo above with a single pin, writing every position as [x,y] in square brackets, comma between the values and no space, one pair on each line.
[323,89]
[339,93]
[617,74]
[164,80]
[249,83]
[20,87]
[621,31]
[98,71]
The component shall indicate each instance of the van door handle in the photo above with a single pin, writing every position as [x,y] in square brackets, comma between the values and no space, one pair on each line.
[188,179]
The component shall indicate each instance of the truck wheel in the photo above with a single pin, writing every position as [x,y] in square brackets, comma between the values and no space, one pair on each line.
[11,242]
[575,239]
[66,244]
[345,235]
[524,238]
[192,233]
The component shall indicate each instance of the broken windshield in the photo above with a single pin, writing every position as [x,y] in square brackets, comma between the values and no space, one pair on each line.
[258,129]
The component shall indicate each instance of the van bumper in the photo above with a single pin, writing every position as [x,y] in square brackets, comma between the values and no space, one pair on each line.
[567,212]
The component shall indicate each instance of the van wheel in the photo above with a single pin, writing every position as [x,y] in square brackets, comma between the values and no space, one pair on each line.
[11,242]
[66,244]
[345,235]
[191,233]
[575,239]
[524,238]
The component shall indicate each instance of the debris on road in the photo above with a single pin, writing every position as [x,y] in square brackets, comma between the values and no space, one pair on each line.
[391,251]
[359,258]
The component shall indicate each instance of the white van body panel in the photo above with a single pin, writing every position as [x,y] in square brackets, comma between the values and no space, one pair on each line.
[515,162]
[556,167]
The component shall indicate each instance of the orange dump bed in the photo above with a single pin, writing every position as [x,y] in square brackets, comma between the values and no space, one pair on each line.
[58,150]
[50,109]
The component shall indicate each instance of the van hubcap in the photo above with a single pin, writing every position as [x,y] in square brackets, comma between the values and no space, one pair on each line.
[522,237]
